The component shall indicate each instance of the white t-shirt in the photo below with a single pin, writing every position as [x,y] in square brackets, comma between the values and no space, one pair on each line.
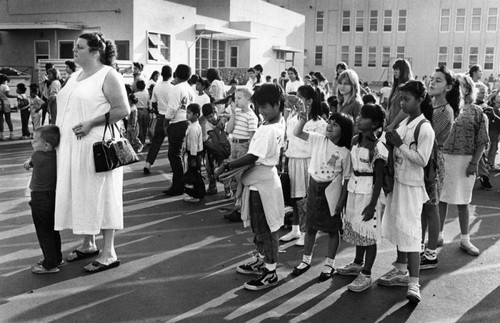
[142,99]
[327,159]
[181,96]
[293,86]
[266,144]
[201,99]
[385,93]
[298,148]
[161,93]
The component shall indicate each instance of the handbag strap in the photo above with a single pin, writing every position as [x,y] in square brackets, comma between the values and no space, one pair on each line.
[107,125]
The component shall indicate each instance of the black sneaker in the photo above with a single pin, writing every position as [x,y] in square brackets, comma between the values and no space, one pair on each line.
[234,216]
[426,263]
[485,183]
[252,268]
[266,280]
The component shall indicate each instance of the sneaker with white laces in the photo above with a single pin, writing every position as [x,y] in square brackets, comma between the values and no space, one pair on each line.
[426,263]
[269,278]
[352,269]
[469,248]
[290,236]
[301,241]
[252,268]
[413,293]
[394,278]
[361,283]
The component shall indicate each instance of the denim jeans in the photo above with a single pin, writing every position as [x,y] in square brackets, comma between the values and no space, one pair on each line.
[157,140]
[176,133]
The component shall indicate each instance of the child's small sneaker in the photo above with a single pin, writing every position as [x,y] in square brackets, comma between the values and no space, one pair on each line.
[191,199]
[39,269]
[413,294]
[426,263]
[252,268]
[361,283]
[352,269]
[469,248]
[394,278]
[290,236]
[485,183]
[301,241]
[267,279]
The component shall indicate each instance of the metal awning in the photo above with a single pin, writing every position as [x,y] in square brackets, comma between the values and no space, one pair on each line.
[41,25]
[222,33]
[287,49]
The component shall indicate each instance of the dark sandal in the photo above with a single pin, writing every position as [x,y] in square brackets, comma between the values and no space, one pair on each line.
[98,267]
[325,276]
[299,271]
[81,255]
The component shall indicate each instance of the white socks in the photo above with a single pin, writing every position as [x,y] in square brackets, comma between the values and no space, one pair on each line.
[305,260]
[329,262]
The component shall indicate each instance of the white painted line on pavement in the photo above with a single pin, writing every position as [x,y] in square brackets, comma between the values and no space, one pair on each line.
[132,242]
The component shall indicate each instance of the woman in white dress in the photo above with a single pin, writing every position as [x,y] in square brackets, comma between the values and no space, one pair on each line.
[88,202]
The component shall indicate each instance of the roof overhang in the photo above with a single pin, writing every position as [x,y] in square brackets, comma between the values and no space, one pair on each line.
[286,49]
[41,25]
[222,33]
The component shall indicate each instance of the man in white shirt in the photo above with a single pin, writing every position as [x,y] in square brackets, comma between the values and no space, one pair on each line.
[175,126]
[384,94]
[159,102]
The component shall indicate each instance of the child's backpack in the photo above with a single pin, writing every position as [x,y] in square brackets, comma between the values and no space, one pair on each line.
[22,103]
[388,180]
[431,169]
[218,144]
[193,183]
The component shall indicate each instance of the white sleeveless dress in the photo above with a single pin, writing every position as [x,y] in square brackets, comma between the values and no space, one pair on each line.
[86,201]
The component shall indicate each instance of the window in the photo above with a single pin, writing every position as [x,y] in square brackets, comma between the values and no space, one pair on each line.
[489,57]
[42,50]
[444,26]
[358,56]
[158,47]
[280,55]
[402,20]
[346,21]
[233,56]
[473,56]
[386,56]
[400,52]
[476,20]
[66,49]
[458,53]
[460,20]
[372,56]
[318,56]
[360,20]
[373,20]
[123,49]
[443,56]
[387,20]
[344,54]
[211,53]
[492,19]
[320,17]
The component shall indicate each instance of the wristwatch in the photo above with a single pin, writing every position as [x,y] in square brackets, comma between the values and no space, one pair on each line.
[226,165]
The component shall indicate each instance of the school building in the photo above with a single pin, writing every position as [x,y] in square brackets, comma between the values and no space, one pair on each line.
[369,35]
[227,34]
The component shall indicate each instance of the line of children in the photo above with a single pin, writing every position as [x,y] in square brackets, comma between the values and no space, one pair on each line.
[262,200]
[43,197]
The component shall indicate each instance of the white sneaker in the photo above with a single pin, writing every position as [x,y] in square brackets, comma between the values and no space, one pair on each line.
[290,236]
[361,283]
[413,294]
[191,199]
[352,269]
[468,247]
[301,240]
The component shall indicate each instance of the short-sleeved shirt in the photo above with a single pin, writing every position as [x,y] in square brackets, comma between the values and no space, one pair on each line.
[266,144]
[44,171]
[296,147]
[194,138]
[385,92]
[468,132]
[361,162]
[244,123]
[327,159]
[161,93]
[201,99]
[180,97]
[293,86]
[142,99]
[3,89]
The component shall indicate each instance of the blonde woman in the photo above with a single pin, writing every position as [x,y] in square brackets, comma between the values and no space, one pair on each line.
[348,93]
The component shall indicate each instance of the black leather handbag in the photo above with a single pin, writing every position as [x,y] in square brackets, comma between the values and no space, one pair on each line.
[114,152]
